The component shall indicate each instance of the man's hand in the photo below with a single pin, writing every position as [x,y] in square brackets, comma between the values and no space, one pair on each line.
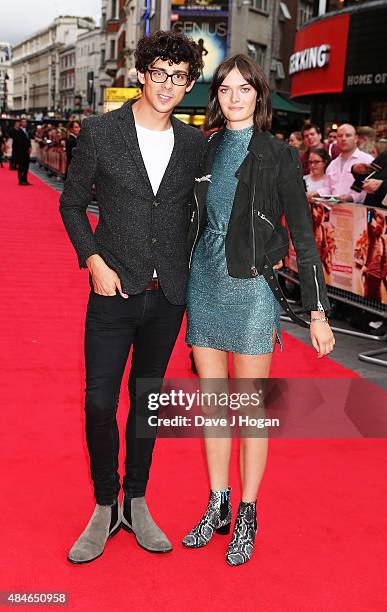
[372,185]
[278,265]
[105,280]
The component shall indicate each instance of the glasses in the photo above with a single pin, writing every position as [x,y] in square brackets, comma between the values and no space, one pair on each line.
[313,163]
[160,76]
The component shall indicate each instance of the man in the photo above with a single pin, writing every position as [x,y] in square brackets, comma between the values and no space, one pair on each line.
[375,269]
[143,163]
[22,147]
[11,133]
[71,142]
[366,138]
[311,135]
[339,170]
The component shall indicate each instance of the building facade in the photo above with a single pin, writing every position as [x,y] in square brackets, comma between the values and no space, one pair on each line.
[87,66]
[339,66]
[36,64]
[6,78]
[66,79]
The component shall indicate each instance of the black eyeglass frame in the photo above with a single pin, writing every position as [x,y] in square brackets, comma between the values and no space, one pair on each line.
[168,76]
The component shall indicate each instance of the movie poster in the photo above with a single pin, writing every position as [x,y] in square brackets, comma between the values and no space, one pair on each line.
[352,243]
[211,35]
[370,255]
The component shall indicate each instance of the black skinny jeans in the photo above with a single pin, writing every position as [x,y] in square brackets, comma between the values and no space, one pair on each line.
[113,324]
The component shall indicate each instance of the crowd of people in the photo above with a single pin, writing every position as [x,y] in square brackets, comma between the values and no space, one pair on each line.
[18,140]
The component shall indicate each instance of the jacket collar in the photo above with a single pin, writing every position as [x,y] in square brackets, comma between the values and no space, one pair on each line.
[128,130]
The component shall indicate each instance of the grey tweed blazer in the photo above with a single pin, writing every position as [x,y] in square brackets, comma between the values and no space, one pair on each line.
[137,230]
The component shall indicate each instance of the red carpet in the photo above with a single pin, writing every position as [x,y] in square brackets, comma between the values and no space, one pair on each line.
[322,506]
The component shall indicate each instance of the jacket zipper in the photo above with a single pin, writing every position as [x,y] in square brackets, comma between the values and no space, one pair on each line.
[253,269]
[264,218]
[319,305]
[197,231]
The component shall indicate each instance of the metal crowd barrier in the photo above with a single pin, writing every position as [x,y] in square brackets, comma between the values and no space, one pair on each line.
[53,158]
[357,301]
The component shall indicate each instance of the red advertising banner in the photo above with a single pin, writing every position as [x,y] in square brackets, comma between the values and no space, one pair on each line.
[318,62]
[352,243]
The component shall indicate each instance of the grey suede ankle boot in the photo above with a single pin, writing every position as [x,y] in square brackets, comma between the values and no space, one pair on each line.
[136,518]
[104,524]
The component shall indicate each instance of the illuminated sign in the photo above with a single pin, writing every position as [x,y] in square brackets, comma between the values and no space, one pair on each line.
[308,59]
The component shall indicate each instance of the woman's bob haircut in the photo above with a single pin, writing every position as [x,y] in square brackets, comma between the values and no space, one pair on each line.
[255,76]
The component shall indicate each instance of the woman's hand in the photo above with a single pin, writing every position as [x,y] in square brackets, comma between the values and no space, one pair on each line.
[321,335]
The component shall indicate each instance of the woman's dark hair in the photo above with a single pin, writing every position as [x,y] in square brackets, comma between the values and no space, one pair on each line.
[255,76]
[323,154]
[169,46]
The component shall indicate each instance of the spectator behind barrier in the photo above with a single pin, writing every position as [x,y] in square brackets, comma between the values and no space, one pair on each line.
[366,139]
[74,127]
[339,170]
[311,135]
[316,181]
[295,140]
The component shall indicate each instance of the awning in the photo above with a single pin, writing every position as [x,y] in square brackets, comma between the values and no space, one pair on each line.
[280,103]
[198,99]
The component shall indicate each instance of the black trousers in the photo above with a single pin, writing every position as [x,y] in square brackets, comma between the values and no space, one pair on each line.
[150,324]
[23,163]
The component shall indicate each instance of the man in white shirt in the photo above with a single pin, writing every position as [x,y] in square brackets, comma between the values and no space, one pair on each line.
[143,162]
[339,170]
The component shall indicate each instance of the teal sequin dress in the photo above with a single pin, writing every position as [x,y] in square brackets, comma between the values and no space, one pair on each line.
[225,313]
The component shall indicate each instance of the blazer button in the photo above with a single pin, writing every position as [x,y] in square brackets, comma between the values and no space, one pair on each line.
[155,203]
[154,240]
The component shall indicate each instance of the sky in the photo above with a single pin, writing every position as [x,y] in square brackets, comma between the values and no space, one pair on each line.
[20,18]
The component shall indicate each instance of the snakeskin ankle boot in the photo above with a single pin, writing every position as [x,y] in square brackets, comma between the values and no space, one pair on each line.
[217,518]
[241,546]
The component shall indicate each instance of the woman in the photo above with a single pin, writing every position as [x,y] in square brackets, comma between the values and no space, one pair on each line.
[248,180]
[317,183]
[296,140]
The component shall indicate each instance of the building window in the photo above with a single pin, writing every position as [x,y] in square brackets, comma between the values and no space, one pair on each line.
[114,9]
[304,13]
[257,52]
[102,57]
[260,5]
[112,49]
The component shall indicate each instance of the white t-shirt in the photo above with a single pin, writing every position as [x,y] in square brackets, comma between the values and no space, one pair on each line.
[156,150]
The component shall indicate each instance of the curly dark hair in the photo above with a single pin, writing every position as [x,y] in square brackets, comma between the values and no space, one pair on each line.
[169,46]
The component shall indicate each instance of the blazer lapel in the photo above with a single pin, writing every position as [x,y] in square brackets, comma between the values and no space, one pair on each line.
[128,130]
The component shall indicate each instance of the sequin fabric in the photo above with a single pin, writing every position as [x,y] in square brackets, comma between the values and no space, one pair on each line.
[229,314]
